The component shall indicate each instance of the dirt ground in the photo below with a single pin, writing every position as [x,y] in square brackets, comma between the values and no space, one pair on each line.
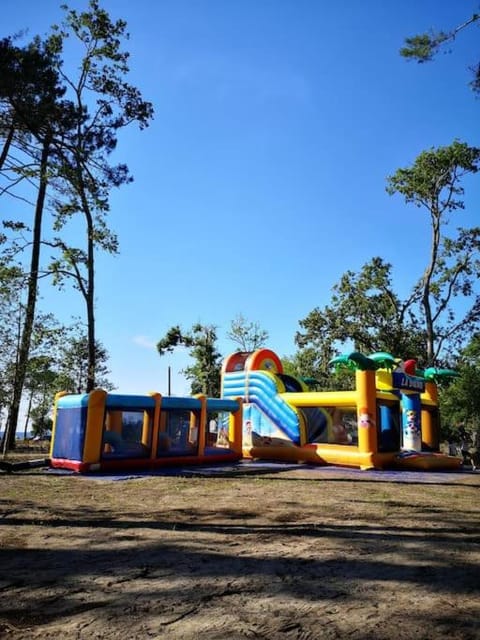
[291,554]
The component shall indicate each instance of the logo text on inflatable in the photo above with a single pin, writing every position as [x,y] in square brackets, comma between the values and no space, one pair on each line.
[404,381]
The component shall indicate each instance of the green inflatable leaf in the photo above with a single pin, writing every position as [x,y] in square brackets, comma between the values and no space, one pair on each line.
[432,373]
[384,360]
[355,361]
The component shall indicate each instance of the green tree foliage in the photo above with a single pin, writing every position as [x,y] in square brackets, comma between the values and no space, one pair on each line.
[249,336]
[364,313]
[40,384]
[11,316]
[432,184]
[105,103]
[58,133]
[72,363]
[29,101]
[42,424]
[204,374]
[423,47]
[61,365]
[58,362]
[460,401]
[308,365]
[40,372]
[443,308]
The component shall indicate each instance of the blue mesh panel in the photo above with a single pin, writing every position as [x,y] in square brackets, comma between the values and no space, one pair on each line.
[70,433]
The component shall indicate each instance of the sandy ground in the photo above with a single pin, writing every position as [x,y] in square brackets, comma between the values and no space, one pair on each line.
[296,554]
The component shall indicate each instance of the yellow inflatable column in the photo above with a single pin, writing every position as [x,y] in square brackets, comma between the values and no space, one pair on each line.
[156,422]
[366,411]
[431,392]
[198,421]
[114,421]
[429,430]
[94,428]
[430,426]
[235,427]
[147,428]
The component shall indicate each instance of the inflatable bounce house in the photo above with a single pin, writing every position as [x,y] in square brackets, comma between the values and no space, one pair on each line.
[103,431]
[389,420]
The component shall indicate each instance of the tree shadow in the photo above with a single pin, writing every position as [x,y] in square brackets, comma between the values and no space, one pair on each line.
[178,560]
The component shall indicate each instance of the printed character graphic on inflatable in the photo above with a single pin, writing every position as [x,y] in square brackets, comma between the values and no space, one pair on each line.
[411,431]
[365,419]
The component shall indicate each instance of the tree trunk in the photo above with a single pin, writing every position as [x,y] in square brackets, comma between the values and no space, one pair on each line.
[92,352]
[6,146]
[89,291]
[27,417]
[24,351]
[426,301]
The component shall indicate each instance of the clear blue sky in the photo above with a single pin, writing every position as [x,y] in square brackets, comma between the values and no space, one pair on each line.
[262,178]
